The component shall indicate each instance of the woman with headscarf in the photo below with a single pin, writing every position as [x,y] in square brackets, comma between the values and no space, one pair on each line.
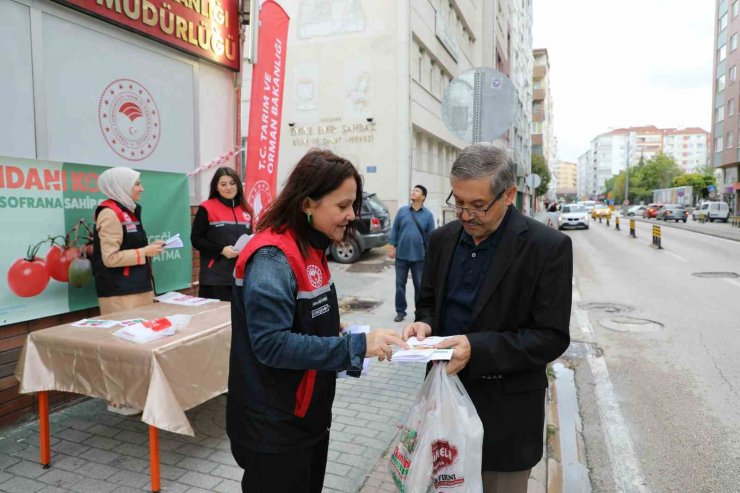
[219,222]
[121,251]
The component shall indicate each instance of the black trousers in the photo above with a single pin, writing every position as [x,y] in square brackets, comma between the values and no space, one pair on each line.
[222,293]
[299,472]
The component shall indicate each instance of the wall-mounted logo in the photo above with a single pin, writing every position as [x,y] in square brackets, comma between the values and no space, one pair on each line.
[129,119]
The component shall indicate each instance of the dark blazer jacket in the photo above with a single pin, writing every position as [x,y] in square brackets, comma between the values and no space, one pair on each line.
[519,324]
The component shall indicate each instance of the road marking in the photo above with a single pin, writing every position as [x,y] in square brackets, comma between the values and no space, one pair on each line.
[676,256]
[733,282]
[622,457]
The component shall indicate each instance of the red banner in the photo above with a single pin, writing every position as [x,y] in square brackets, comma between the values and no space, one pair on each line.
[205,28]
[266,107]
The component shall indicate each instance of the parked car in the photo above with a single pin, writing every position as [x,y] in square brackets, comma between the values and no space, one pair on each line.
[589,205]
[672,212]
[636,210]
[713,211]
[601,211]
[373,230]
[651,211]
[573,216]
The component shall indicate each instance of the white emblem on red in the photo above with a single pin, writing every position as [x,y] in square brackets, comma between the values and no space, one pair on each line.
[314,276]
[129,119]
[259,196]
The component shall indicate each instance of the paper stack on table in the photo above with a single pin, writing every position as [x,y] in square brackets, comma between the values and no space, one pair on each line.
[151,330]
[173,242]
[98,324]
[422,351]
[183,299]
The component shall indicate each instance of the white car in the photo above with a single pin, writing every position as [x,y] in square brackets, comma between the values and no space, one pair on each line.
[636,210]
[573,216]
[712,211]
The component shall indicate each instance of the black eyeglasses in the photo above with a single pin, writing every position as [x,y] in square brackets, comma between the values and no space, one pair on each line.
[470,211]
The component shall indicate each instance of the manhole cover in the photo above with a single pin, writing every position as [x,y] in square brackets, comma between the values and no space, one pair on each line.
[606,307]
[365,268]
[578,349]
[716,275]
[630,324]
[350,304]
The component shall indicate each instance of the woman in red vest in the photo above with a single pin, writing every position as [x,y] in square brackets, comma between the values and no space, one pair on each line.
[218,224]
[121,250]
[285,344]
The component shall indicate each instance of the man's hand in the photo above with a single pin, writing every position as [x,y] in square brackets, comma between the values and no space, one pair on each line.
[378,343]
[392,252]
[460,353]
[420,330]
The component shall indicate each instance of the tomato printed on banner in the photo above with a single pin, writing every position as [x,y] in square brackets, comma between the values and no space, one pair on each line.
[129,119]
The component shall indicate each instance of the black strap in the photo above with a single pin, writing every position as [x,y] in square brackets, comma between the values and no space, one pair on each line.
[418,226]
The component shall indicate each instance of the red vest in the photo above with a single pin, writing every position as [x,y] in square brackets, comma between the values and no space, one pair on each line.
[226,225]
[287,423]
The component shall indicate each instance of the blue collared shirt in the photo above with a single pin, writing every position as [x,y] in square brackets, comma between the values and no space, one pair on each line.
[468,268]
[405,236]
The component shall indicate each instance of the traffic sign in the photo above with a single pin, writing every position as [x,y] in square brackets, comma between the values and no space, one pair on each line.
[533,180]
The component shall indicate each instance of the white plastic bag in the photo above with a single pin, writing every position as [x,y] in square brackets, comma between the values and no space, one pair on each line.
[151,330]
[441,444]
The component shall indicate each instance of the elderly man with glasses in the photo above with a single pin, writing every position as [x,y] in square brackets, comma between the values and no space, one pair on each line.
[499,283]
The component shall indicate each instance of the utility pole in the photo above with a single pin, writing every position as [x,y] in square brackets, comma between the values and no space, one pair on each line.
[627,176]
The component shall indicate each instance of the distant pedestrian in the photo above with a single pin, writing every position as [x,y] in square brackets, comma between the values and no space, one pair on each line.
[409,237]
[552,215]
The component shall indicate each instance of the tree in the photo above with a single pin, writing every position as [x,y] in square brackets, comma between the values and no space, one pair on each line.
[539,167]
[657,172]
[699,182]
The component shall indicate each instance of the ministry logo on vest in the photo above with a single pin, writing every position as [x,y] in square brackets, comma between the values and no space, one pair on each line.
[129,119]
[314,276]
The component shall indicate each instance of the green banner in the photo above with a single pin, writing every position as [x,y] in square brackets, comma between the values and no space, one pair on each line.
[46,215]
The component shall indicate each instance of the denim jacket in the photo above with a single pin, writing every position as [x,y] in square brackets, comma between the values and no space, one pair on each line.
[269,298]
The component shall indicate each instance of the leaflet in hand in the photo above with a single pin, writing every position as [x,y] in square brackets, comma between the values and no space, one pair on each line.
[356,329]
[173,242]
[176,298]
[422,351]
[242,242]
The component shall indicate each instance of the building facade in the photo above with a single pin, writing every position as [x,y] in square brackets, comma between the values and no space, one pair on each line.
[725,155]
[611,152]
[365,78]
[567,179]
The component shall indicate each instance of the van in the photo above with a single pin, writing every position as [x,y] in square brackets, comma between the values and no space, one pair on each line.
[589,205]
[714,211]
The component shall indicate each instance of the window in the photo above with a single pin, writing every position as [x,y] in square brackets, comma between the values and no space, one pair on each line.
[719,114]
[723,22]
[728,138]
[735,8]
[718,144]
[722,53]
[733,42]
[733,73]
[731,107]
[721,83]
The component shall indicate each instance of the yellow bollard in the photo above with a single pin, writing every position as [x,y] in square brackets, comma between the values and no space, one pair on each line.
[616,223]
[657,237]
[632,228]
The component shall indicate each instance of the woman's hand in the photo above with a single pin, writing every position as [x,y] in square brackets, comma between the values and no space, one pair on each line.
[154,248]
[229,252]
[378,343]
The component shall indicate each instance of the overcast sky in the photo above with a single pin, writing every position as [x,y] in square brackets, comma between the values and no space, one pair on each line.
[619,63]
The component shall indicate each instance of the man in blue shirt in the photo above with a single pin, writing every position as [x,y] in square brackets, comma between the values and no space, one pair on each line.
[409,234]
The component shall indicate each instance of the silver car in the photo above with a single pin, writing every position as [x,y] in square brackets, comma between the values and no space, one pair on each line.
[573,216]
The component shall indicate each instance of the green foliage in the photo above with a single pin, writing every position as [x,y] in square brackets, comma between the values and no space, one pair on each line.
[658,172]
[698,181]
[539,167]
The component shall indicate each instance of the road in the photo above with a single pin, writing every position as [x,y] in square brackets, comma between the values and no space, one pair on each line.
[676,384]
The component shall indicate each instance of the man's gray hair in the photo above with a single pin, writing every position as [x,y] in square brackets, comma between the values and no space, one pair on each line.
[486,159]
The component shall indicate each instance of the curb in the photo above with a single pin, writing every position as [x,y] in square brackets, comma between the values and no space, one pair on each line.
[553,452]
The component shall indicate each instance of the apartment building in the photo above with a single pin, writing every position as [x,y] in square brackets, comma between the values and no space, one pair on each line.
[725,156]
[366,78]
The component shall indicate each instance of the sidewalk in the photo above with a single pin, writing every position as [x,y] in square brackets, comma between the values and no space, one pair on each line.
[94,451]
